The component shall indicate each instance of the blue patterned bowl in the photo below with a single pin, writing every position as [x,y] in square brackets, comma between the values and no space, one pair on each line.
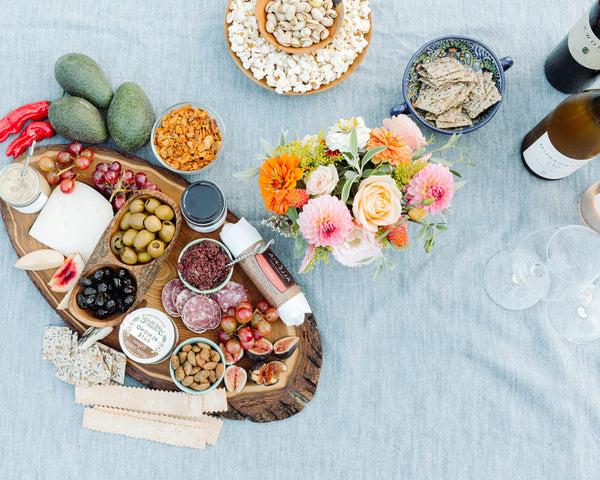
[469,52]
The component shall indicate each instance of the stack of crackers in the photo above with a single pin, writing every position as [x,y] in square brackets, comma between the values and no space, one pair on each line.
[174,418]
[453,95]
[96,365]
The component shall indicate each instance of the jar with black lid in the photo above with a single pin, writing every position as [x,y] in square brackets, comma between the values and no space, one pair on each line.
[203,206]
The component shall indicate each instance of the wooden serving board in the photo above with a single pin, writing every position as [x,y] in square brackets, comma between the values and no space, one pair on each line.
[263,82]
[258,403]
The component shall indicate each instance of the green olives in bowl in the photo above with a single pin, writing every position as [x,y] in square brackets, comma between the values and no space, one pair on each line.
[144,229]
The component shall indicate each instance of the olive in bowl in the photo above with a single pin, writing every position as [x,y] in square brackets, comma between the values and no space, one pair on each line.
[107,291]
[144,232]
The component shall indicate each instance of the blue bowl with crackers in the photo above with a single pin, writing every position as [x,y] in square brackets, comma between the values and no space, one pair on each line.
[453,85]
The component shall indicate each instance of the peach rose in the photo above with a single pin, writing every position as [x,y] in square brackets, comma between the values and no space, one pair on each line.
[406,129]
[377,203]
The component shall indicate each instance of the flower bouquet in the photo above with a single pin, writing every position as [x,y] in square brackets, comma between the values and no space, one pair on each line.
[352,192]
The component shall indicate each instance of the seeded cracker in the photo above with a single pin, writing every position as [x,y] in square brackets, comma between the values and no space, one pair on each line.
[453,95]
[57,345]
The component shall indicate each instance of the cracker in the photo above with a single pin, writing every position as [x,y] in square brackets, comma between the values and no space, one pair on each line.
[115,361]
[475,107]
[143,428]
[453,118]
[441,67]
[212,426]
[437,101]
[57,345]
[152,401]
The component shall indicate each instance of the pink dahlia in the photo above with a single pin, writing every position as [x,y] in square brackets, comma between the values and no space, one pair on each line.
[434,182]
[325,221]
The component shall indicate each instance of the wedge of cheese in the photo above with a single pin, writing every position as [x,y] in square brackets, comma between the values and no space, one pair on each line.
[74,222]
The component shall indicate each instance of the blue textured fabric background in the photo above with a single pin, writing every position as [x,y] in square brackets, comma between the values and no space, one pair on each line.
[423,377]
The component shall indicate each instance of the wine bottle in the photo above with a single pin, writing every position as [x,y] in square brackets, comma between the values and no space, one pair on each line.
[566,140]
[576,60]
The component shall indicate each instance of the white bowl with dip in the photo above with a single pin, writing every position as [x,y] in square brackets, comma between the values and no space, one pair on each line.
[147,336]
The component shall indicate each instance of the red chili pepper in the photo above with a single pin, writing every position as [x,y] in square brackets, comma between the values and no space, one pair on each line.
[34,131]
[14,121]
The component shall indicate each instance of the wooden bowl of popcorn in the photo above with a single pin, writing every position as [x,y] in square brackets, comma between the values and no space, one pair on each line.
[299,26]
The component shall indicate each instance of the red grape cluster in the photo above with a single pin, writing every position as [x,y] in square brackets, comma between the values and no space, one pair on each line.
[64,168]
[115,183]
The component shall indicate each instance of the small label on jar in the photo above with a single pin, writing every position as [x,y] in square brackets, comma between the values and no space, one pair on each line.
[544,159]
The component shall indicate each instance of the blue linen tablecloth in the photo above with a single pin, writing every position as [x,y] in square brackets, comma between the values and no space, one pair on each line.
[423,376]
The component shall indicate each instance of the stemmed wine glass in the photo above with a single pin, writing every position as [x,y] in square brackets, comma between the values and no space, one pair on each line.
[557,265]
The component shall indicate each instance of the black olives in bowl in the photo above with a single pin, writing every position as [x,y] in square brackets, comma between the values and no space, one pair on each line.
[107,291]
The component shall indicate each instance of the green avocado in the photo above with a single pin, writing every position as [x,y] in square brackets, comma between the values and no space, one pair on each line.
[77,119]
[80,76]
[130,117]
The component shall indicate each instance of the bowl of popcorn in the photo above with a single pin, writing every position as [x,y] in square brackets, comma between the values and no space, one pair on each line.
[187,138]
[299,26]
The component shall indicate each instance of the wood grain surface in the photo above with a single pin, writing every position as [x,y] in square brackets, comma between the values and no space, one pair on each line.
[256,402]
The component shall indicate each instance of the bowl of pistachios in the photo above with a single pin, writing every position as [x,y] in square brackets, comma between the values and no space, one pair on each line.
[299,26]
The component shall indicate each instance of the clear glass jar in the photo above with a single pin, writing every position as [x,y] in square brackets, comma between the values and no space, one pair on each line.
[203,206]
[23,188]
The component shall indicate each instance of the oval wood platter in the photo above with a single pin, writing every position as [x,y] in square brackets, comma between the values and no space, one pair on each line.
[322,88]
[258,403]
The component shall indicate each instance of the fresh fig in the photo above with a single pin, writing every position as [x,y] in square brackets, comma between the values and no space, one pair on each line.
[268,373]
[235,378]
[261,350]
[284,347]
[66,277]
[229,358]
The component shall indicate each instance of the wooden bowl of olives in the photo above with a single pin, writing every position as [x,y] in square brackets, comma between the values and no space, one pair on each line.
[139,239]
[146,227]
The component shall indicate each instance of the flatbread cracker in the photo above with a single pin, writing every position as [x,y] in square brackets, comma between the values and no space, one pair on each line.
[143,428]
[152,401]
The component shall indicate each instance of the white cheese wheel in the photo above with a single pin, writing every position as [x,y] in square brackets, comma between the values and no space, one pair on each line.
[73,222]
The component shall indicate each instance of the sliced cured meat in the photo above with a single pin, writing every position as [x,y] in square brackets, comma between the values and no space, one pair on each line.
[176,290]
[200,314]
[167,298]
[230,296]
[183,298]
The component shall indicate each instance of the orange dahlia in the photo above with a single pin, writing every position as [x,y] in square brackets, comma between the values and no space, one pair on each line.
[278,176]
[397,151]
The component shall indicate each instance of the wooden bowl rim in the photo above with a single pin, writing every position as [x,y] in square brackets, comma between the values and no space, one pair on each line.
[261,20]
[262,83]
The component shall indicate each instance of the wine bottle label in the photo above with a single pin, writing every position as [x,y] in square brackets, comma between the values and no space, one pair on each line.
[584,45]
[545,160]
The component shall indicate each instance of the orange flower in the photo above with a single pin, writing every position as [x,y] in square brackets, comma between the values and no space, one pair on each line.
[278,175]
[398,235]
[397,151]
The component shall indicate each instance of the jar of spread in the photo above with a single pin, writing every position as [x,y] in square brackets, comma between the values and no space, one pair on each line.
[23,188]
[203,206]
[147,336]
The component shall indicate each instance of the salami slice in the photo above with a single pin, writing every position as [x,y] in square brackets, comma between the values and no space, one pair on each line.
[230,295]
[183,298]
[199,314]
[167,298]
[176,290]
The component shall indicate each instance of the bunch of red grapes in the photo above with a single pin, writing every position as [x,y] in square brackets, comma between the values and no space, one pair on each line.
[115,183]
[65,168]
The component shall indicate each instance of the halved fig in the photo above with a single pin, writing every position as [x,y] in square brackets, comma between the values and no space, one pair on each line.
[268,373]
[235,378]
[66,276]
[260,351]
[284,347]
[229,358]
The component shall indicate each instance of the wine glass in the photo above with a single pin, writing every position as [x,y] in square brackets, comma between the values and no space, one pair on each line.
[553,264]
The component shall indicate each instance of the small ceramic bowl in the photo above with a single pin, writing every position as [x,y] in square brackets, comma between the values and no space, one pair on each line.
[469,52]
[212,345]
[212,114]
[212,290]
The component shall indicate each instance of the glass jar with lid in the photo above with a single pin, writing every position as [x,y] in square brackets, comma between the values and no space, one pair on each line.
[23,188]
[203,206]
